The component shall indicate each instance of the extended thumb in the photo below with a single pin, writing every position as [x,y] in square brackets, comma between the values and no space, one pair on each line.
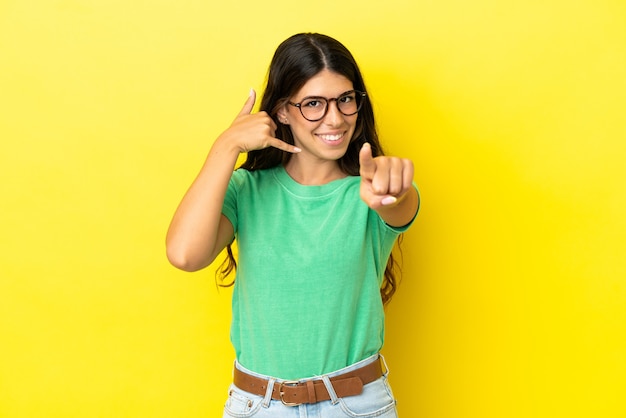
[249,104]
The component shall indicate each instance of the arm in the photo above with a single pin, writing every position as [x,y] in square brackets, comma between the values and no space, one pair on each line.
[387,187]
[198,231]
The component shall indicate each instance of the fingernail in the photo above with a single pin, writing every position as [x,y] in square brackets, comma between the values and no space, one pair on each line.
[296,149]
[389,200]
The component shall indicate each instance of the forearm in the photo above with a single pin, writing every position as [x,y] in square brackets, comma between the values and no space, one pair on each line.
[193,238]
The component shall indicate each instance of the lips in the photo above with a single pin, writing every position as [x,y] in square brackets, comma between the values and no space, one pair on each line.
[331,137]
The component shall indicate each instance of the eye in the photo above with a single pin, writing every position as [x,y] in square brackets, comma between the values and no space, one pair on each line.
[313,103]
[347,98]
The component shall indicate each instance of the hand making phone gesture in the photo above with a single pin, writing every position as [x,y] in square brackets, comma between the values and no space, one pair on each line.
[254,131]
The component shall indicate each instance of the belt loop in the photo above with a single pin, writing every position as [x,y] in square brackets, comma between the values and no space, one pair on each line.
[331,390]
[268,393]
[310,387]
[386,371]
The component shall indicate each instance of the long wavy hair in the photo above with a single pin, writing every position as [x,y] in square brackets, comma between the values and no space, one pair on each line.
[295,61]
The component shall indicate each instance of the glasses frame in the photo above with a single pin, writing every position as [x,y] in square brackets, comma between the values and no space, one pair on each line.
[361,94]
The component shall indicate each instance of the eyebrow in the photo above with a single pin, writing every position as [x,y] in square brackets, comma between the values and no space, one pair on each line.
[324,97]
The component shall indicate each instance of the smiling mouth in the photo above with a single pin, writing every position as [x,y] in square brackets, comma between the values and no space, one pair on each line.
[331,138]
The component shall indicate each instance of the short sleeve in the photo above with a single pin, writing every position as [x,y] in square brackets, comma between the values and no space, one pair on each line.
[229,207]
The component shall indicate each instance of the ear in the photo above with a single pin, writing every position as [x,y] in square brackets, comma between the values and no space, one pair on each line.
[282,115]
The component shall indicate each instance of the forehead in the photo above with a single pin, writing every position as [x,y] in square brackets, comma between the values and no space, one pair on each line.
[326,84]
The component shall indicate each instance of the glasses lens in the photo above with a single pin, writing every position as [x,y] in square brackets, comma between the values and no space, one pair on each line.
[313,108]
[349,103]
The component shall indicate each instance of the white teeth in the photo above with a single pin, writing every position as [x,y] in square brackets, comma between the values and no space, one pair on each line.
[331,137]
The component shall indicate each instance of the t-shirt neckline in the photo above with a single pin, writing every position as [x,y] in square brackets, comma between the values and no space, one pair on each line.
[302,190]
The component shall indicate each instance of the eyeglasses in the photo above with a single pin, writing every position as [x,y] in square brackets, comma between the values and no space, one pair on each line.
[314,108]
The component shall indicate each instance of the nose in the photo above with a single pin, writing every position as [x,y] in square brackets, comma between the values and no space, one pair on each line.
[333,116]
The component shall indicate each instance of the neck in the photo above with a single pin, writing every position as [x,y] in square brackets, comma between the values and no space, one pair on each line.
[313,174]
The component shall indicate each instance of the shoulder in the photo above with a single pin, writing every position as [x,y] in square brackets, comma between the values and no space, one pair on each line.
[242,176]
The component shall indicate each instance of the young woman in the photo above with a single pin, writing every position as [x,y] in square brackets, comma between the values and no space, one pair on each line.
[316,209]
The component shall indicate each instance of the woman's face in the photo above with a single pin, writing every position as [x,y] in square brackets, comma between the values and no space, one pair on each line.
[328,138]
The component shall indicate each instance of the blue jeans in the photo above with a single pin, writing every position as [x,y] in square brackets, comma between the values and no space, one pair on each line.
[376,400]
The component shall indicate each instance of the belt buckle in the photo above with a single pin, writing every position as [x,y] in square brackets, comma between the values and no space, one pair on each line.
[288,383]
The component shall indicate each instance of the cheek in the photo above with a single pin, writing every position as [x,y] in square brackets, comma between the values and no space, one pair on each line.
[356,130]
[303,128]
[298,132]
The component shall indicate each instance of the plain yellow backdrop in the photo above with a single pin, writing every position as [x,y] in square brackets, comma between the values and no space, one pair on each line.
[513,302]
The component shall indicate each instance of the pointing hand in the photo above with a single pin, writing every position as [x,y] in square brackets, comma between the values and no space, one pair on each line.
[384,180]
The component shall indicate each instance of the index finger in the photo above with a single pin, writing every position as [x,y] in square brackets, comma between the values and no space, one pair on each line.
[366,161]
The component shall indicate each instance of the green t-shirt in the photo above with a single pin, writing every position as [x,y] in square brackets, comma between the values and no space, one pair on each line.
[311,261]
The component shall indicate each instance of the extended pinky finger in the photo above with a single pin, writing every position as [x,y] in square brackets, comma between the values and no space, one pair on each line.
[282,145]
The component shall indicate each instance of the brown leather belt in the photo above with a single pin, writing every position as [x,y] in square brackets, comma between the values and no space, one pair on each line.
[293,393]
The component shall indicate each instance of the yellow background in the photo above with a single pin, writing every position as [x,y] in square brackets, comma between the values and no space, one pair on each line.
[513,302]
